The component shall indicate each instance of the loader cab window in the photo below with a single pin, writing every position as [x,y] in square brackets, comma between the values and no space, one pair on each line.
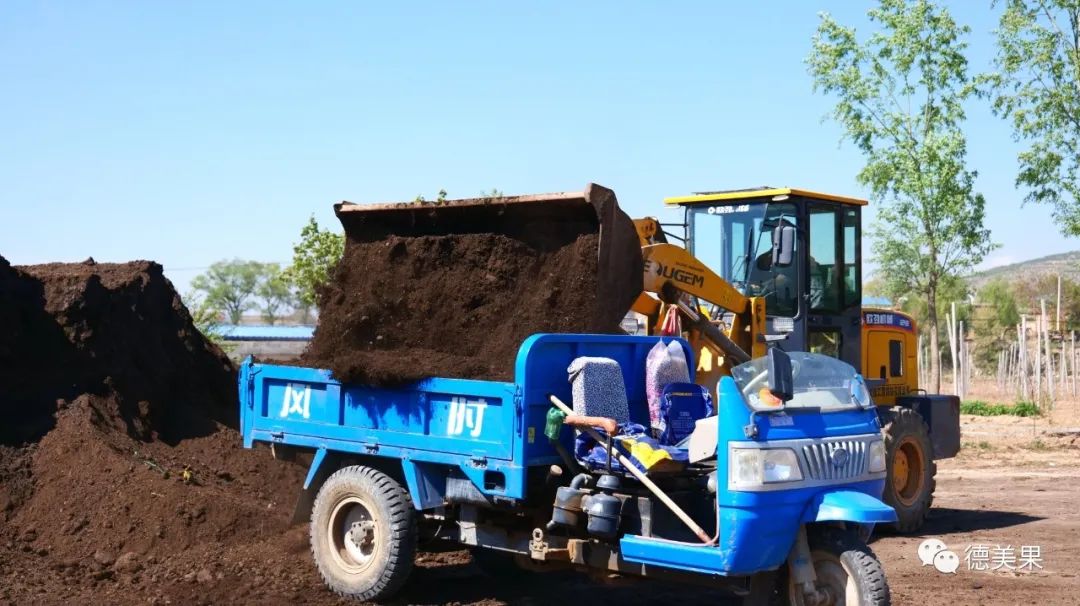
[823,272]
[833,275]
[825,341]
[852,261]
[735,240]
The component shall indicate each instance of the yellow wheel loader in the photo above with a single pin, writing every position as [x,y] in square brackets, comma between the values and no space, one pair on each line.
[781,267]
[759,268]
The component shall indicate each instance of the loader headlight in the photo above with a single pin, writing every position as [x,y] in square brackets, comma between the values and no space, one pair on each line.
[751,467]
[876,457]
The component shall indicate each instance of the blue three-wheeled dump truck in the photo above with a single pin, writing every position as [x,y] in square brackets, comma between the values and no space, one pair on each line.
[771,496]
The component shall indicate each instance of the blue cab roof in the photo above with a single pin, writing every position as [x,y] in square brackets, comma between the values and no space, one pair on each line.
[233,332]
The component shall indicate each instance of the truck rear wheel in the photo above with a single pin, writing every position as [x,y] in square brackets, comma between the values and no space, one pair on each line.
[848,573]
[363,533]
[909,484]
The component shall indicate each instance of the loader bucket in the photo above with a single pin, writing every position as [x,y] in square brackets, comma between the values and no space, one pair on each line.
[543,221]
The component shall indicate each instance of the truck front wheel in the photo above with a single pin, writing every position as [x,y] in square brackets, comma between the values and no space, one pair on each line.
[848,573]
[909,486]
[363,533]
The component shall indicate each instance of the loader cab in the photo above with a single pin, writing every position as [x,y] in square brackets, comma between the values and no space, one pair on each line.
[799,250]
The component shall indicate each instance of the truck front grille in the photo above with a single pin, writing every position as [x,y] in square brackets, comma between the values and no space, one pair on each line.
[824,462]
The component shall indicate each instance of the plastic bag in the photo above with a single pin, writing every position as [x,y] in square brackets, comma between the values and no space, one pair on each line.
[672,322]
[665,364]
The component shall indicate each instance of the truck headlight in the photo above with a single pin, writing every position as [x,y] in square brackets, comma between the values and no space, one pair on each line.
[757,466]
[876,457]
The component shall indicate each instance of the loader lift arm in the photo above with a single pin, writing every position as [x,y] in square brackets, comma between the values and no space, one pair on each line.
[670,271]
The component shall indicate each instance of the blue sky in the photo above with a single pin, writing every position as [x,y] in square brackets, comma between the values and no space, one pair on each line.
[195,131]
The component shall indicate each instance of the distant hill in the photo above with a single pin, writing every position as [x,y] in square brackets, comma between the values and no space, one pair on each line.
[1066,264]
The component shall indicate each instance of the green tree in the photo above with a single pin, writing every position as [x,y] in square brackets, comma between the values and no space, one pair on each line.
[205,318]
[230,287]
[314,258]
[994,319]
[899,97]
[998,297]
[276,293]
[951,289]
[1031,290]
[1037,88]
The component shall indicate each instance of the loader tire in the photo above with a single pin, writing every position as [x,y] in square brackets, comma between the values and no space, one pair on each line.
[909,457]
[363,534]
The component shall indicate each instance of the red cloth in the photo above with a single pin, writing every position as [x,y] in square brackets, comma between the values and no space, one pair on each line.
[672,326]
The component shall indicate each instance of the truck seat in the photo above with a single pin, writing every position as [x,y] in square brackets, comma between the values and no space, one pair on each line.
[598,388]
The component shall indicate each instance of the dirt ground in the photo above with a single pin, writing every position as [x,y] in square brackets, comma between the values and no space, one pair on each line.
[225,538]
[1016,483]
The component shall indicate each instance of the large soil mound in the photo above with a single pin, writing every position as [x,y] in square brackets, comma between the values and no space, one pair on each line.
[454,293]
[118,481]
[106,329]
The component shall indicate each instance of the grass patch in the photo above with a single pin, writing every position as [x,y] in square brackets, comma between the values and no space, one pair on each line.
[1037,445]
[986,409]
[981,446]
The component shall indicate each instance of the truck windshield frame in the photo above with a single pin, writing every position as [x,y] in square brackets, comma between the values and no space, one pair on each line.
[820,382]
[735,240]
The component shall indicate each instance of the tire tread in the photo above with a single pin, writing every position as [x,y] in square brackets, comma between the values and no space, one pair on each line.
[896,423]
[401,520]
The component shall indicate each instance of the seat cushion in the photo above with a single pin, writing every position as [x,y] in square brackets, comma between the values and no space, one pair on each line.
[598,388]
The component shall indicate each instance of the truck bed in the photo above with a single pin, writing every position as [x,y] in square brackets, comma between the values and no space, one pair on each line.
[489,432]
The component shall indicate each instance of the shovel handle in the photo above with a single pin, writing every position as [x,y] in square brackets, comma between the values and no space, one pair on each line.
[607,424]
[644,479]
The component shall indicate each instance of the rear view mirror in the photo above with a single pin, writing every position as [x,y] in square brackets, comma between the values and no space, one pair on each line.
[783,245]
[781,377]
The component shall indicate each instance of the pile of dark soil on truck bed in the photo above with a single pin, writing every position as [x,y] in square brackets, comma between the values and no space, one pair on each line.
[457,297]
